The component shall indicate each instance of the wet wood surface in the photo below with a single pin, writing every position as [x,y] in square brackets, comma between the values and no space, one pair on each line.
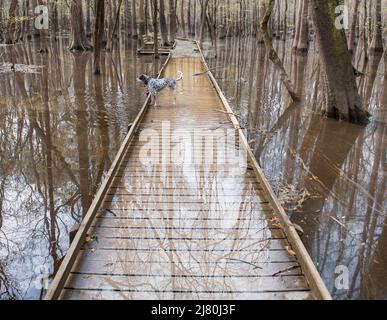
[175,231]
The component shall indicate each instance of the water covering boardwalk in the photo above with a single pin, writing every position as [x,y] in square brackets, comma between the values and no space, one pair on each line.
[178,221]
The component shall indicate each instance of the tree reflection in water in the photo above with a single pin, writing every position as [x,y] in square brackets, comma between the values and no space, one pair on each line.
[60,130]
[342,166]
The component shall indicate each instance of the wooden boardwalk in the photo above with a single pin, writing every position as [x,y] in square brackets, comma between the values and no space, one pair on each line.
[165,228]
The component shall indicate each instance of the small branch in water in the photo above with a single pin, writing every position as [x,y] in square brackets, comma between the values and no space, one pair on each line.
[273,56]
[345,228]
[284,270]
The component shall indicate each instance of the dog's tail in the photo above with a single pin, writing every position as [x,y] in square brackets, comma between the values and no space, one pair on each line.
[179,76]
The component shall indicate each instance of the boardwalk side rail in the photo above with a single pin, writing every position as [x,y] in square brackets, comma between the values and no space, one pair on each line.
[61,276]
[313,276]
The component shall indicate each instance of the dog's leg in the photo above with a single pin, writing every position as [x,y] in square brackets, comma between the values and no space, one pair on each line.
[155,99]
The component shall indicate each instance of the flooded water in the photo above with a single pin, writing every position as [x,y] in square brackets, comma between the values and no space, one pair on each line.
[60,129]
[329,175]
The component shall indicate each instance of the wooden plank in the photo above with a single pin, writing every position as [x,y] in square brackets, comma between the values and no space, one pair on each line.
[144,268]
[256,257]
[313,276]
[188,244]
[66,265]
[190,283]
[175,232]
[113,295]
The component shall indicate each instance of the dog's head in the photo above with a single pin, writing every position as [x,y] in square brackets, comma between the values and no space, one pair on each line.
[144,79]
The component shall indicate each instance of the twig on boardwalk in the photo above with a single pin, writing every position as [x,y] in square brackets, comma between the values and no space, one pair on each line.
[251,264]
[208,70]
[284,270]
[110,211]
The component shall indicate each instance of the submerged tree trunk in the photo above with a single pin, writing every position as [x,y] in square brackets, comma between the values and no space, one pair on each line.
[172,21]
[377,41]
[182,20]
[134,20]
[203,17]
[155,30]
[273,56]
[99,27]
[11,23]
[78,35]
[344,102]
[141,17]
[302,44]
[352,29]
[163,25]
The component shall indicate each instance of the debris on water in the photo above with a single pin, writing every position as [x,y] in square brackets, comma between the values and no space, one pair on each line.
[19,68]
[299,230]
[290,251]
[291,198]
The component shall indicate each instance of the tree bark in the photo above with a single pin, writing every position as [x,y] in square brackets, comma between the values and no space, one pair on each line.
[344,102]
[11,25]
[134,20]
[99,27]
[377,41]
[78,35]
[352,29]
[273,56]
[163,25]
[203,17]
[172,21]
[155,30]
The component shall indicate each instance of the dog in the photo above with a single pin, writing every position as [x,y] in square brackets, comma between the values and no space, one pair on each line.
[156,85]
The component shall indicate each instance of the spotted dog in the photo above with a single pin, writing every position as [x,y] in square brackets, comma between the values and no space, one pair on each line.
[156,85]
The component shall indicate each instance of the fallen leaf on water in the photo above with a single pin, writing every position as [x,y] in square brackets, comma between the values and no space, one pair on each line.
[88,238]
[290,251]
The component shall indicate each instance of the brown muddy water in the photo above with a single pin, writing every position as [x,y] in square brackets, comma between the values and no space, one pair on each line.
[60,129]
[329,175]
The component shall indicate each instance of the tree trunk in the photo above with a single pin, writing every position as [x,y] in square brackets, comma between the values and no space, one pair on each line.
[203,16]
[172,21]
[273,56]
[182,20]
[163,25]
[302,44]
[377,41]
[189,18]
[141,16]
[99,27]
[352,30]
[11,26]
[344,102]
[155,30]
[78,36]
[134,20]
